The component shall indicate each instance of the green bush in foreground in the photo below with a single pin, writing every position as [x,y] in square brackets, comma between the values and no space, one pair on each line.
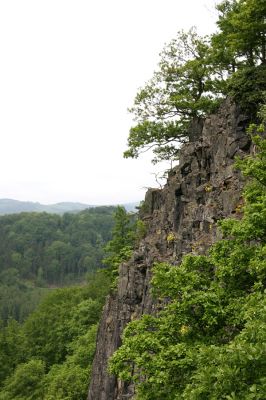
[50,355]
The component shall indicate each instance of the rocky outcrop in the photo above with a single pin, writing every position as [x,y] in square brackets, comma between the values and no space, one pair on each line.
[181,218]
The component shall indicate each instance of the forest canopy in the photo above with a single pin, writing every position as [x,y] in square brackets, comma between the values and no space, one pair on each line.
[48,355]
[41,251]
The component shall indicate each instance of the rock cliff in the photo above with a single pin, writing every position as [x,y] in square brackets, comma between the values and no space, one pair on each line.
[180,218]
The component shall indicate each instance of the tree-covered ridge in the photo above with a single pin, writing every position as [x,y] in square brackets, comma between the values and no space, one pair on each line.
[50,248]
[195,73]
[40,250]
[11,206]
[208,342]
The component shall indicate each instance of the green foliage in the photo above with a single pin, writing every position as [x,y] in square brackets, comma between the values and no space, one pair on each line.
[208,341]
[180,90]
[238,51]
[18,300]
[119,248]
[242,32]
[195,73]
[141,230]
[53,248]
[60,319]
[247,87]
[11,348]
[39,250]
[50,355]
[70,379]
[67,382]
[26,382]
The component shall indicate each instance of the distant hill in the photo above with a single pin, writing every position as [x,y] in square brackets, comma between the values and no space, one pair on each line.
[10,206]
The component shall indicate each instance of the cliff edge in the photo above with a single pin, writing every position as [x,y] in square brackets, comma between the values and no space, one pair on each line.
[180,218]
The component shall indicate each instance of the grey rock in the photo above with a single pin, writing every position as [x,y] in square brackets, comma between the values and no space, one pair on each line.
[202,189]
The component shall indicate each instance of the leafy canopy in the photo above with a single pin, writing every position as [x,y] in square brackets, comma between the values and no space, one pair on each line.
[180,90]
[241,40]
[119,248]
[193,75]
[50,355]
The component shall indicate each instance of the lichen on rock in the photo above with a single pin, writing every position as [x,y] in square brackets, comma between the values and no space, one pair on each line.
[185,211]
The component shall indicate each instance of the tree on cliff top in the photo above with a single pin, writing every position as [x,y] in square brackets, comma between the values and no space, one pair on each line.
[241,39]
[239,49]
[194,72]
[181,89]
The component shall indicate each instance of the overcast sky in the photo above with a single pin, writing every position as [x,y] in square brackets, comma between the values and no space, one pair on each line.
[68,72]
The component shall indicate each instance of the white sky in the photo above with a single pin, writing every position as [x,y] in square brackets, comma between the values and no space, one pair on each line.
[68,72]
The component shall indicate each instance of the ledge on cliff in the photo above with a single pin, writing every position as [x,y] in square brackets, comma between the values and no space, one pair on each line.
[202,189]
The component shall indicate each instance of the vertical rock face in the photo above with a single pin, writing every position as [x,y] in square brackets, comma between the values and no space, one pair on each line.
[180,218]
